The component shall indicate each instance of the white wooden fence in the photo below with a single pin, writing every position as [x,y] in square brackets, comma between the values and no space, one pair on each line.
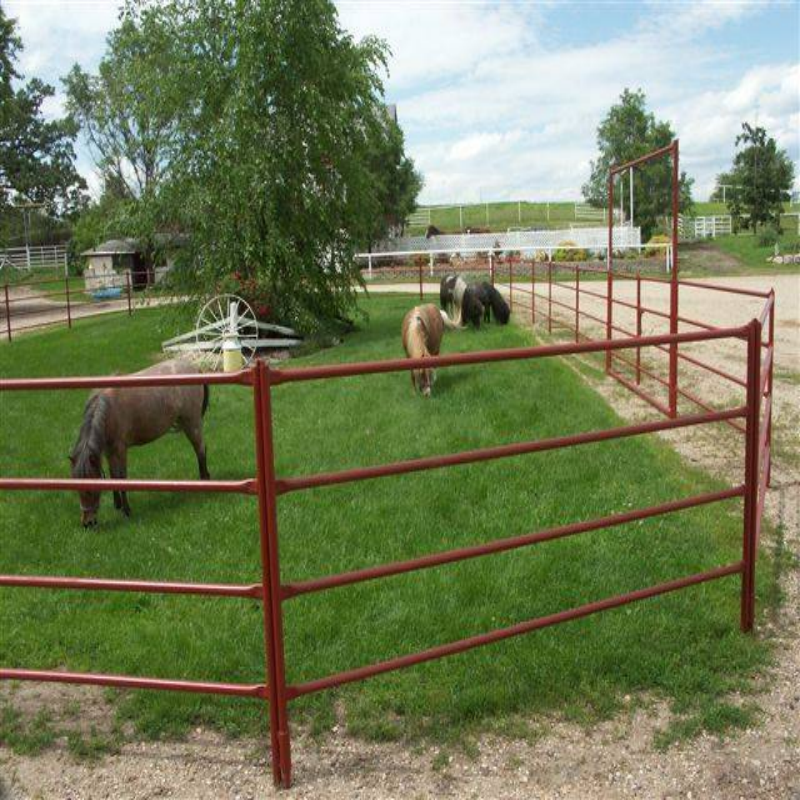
[399,260]
[47,256]
[587,238]
[704,227]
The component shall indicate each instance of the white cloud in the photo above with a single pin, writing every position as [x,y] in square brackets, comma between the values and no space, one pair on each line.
[436,42]
[56,34]
[517,117]
[491,108]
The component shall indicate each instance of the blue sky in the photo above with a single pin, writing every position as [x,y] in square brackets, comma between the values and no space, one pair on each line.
[502,100]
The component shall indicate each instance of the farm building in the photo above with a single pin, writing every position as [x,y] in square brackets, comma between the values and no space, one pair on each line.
[110,260]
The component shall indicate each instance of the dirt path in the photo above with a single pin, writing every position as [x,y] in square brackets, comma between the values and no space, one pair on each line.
[612,760]
[30,313]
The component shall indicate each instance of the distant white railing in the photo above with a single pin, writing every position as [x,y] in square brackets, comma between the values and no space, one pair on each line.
[704,227]
[585,238]
[46,256]
[538,252]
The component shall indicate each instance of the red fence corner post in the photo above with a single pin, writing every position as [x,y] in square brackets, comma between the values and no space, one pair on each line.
[550,295]
[751,477]
[533,291]
[273,618]
[673,289]
[8,313]
[577,303]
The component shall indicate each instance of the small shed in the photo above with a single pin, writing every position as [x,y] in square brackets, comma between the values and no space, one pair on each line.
[108,262]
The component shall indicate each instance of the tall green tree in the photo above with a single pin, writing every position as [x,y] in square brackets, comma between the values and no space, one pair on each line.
[397,182]
[627,132]
[127,110]
[281,162]
[37,156]
[724,188]
[764,176]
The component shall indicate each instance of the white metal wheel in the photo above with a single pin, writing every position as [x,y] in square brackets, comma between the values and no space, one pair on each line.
[224,315]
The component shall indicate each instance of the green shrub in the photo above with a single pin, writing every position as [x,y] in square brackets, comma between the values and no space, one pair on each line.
[659,239]
[563,254]
[768,237]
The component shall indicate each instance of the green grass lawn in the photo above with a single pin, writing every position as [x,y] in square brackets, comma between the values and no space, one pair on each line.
[746,248]
[498,216]
[685,647]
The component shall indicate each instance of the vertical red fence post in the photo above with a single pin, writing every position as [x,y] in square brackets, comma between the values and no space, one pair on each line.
[511,283]
[609,266]
[420,278]
[638,326]
[751,479]
[266,592]
[771,344]
[128,291]
[577,303]
[533,290]
[491,268]
[549,294]
[8,312]
[69,314]
[673,287]
[269,530]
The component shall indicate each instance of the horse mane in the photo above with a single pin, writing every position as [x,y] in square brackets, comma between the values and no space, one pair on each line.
[87,454]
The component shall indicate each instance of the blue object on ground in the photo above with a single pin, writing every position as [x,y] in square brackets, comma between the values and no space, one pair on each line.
[107,294]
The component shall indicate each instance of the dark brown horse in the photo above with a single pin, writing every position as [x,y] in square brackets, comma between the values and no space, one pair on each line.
[119,418]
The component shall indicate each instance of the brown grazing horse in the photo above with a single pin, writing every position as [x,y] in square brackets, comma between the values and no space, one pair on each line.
[423,328]
[118,418]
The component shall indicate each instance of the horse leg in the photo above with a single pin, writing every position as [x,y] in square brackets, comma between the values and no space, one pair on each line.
[118,467]
[194,433]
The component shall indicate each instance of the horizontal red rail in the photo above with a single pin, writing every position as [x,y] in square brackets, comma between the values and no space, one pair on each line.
[284,485]
[490,356]
[360,673]
[692,398]
[253,591]
[247,486]
[639,392]
[652,156]
[502,545]
[125,682]
[718,288]
[107,382]
[682,356]
[643,370]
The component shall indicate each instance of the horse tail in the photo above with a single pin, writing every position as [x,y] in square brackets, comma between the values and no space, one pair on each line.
[206,399]
[448,323]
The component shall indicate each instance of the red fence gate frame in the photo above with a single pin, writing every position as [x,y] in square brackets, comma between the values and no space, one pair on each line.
[268,488]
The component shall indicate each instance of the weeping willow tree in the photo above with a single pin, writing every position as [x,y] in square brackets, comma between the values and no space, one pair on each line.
[272,170]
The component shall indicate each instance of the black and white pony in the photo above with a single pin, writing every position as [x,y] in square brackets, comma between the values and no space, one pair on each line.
[460,300]
[493,302]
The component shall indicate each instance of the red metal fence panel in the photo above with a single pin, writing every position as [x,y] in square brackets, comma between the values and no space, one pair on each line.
[268,487]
